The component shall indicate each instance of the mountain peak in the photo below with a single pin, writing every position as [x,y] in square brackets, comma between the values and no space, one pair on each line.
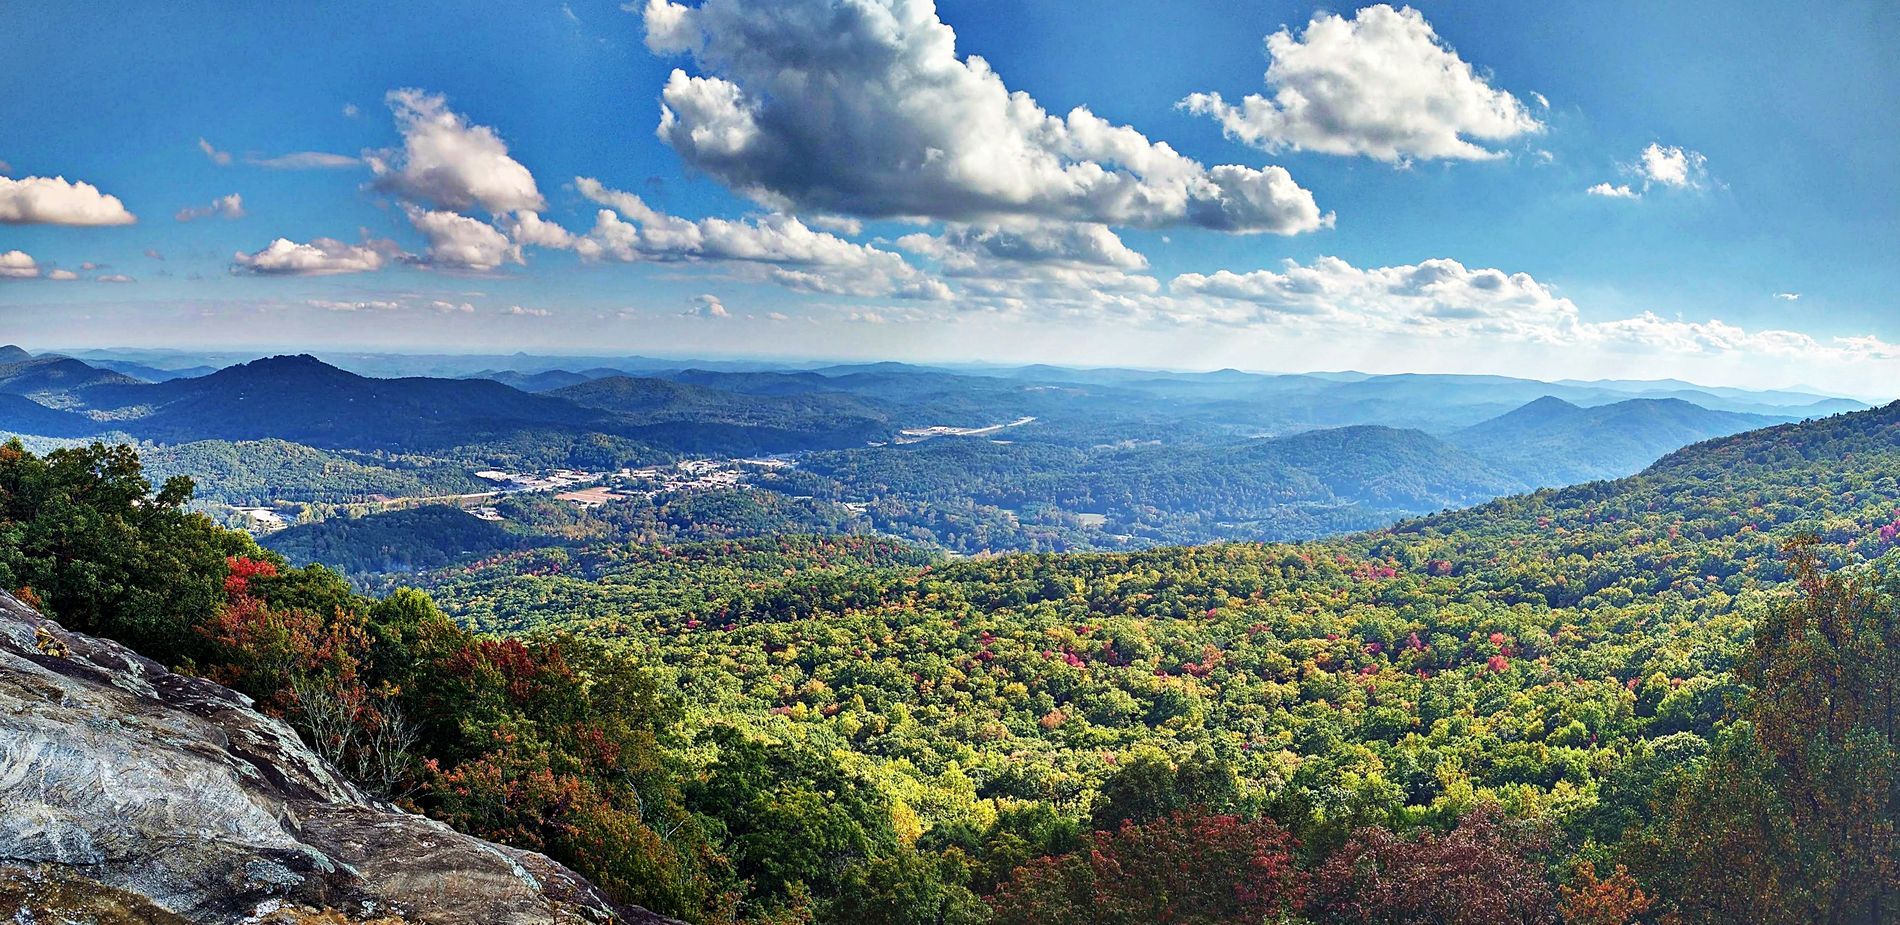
[13,354]
[299,364]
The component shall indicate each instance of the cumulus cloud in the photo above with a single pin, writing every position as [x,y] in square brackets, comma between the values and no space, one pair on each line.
[332,305]
[785,250]
[1381,84]
[1660,165]
[115,278]
[1433,296]
[865,108]
[1672,166]
[462,243]
[1443,298]
[708,306]
[220,158]
[61,275]
[449,163]
[231,206]
[304,160]
[320,257]
[451,308]
[1034,260]
[1788,296]
[1620,191]
[18,265]
[54,201]
[528,312]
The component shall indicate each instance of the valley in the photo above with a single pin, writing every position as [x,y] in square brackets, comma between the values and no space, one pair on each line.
[1001,646]
[1036,458]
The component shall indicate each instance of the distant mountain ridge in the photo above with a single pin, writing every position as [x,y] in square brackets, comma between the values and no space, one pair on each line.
[1551,442]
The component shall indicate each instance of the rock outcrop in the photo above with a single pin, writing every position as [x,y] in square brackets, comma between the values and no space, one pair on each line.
[156,797]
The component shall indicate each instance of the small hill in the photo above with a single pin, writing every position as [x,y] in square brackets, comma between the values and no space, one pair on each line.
[24,416]
[263,471]
[151,373]
[542,381]
[408,540]
[11,354]
[301,399]
[699,418]
[56,381]
[1551,442]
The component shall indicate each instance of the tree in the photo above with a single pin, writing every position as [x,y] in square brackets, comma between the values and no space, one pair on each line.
[1180,869]
[1618,900]
[105,554]
[1484,872]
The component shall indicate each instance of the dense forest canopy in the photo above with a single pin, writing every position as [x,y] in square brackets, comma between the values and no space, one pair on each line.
[1577,704]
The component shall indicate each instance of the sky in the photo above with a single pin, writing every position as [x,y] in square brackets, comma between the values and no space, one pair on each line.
[1622,189]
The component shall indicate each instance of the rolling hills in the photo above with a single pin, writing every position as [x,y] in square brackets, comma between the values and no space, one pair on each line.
[1551,442]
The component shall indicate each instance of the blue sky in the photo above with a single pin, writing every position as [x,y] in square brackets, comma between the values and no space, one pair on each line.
[1434,206]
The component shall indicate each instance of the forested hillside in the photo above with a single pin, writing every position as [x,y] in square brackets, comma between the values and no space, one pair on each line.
[1575,656]
[1578,704]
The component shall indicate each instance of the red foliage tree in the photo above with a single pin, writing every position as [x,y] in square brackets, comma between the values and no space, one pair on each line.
[1484,872]
[1181,869]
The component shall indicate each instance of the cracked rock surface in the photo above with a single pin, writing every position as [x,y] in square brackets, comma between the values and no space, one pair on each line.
[174,791]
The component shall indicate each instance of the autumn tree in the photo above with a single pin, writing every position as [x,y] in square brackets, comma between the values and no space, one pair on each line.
[1182,869]
[1484,872]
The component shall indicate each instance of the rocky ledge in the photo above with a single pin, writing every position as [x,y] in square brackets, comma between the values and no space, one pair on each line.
[132,794]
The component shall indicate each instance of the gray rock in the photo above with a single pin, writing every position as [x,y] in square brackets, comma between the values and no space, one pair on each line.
[176,790]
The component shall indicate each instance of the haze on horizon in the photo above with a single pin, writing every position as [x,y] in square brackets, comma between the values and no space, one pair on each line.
[1619,192]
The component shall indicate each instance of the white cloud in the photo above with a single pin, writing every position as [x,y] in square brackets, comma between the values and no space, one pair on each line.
[62,275]
[18,265]
[320,257]
[231,206]
[1433,296]
[1672,166]
[1042,243]
[1788,296]
[304,160]
[528,312]
[783,249]
[459,242]
[1620,191]
[331,305]
[153,253]
[708,306]
[115,278]
[842,224]
[1034,260]
[1542,101]
[1659,165]
[449,163]
[530,228]
[54,201]
[1381,84]
[350,111]
[451,308]
[864,108]
[220,158]
[1442,298]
